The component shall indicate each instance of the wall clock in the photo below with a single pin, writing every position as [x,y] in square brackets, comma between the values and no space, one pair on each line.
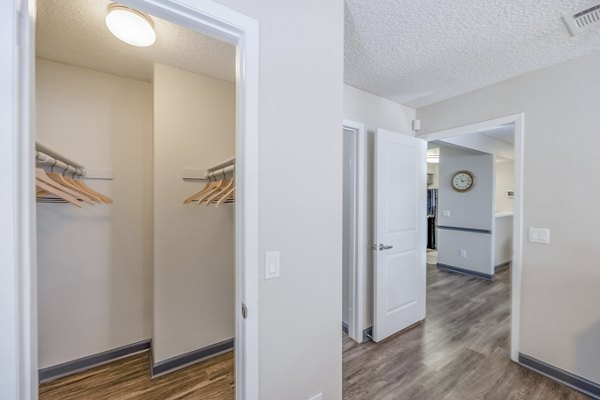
[463,181]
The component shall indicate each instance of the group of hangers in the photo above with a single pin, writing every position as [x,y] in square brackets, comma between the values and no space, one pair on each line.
[217,192]
[53,187]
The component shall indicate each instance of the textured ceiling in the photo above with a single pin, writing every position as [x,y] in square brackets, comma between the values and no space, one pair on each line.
[73,32]
[422,52]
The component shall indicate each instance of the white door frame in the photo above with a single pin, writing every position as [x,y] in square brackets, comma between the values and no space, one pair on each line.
[18,336]
[516,268]
[357,277]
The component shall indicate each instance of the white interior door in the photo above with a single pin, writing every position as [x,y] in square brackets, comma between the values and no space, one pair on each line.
[400,218]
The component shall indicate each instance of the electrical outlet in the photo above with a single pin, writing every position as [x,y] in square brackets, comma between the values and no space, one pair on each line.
[539,235]
[462,253]
[446,213]
[317,397]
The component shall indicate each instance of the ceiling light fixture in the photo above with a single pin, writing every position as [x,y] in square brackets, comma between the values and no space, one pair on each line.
[131,26]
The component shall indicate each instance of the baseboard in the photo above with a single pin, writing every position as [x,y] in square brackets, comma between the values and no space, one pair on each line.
[367,334]
[465,271]
[183,360]
[502,266]
[345,328]
[578,383]
[81,364]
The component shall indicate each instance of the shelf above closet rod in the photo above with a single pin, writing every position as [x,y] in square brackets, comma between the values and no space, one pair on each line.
[224,164]
[46,157]
[53,154]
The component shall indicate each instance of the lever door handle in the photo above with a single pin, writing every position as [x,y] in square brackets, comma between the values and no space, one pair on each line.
[384,247]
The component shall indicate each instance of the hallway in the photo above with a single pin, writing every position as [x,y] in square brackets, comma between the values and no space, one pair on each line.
[459,353]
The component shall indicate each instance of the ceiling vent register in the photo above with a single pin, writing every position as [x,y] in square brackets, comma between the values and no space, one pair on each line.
[583,20]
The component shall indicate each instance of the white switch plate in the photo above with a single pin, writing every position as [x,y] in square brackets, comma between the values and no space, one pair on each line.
[446,213]
[462,253]
[539,235]
[271,264]
[317,397]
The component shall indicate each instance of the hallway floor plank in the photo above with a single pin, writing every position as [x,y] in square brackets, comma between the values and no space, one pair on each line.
[461,351]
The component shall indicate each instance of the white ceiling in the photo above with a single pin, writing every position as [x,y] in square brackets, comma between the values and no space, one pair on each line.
[421,52]
[504,133]
[73,32]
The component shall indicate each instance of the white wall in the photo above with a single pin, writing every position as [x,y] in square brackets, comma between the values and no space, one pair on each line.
[194,267]
[560,323]
[301,72]
[95,263]
[503,238]
[473,209]
[505,180]
[377,112]
[374,112]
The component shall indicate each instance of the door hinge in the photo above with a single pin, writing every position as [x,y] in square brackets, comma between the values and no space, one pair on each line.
[244,311]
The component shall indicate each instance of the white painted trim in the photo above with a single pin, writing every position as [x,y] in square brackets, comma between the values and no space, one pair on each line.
[517,259]
[205,16]
[358,279]
[18,318]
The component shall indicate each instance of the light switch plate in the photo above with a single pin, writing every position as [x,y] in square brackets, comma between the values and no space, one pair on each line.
[317,397]
[271,264]
[462,253]
[539,235]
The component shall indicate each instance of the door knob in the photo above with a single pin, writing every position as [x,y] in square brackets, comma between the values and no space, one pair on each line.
[384,247]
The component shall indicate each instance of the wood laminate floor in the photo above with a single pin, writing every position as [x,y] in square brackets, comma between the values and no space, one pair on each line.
[129,379]
[461,351]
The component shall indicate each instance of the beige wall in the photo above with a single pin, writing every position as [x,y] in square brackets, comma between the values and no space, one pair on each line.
[505,180]
[301,73]
[194,276]
[560,319]
[95,263]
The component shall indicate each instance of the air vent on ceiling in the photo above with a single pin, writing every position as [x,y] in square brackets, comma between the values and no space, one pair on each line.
[583,20]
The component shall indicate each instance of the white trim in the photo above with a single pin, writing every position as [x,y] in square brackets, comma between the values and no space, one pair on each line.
[210,18]
[358,276]
[517,259]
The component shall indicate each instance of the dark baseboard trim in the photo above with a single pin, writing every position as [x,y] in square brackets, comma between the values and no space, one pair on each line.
[576,382]
[183,360]
[465,271]
[459,228]
[345,328]
[502,266]
[367,334]
[81,364]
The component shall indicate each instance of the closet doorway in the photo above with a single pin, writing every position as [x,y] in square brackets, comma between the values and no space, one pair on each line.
[216,22]
[355,293]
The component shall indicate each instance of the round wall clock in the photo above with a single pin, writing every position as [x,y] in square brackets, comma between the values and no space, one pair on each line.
[463,181]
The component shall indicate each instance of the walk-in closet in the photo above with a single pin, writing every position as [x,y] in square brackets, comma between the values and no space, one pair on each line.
[135,192]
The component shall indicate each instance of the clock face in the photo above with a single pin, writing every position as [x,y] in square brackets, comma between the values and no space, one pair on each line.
[462,181]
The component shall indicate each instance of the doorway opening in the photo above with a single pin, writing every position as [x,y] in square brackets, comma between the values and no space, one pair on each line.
[501,141]
[217,23]
[355,292]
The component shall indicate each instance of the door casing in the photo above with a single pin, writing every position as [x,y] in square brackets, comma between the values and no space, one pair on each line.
[18,43]
[517,260]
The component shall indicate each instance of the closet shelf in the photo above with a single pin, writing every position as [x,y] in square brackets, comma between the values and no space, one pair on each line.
[221,186]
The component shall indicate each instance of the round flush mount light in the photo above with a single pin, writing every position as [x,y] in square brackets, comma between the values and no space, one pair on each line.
[131,26]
